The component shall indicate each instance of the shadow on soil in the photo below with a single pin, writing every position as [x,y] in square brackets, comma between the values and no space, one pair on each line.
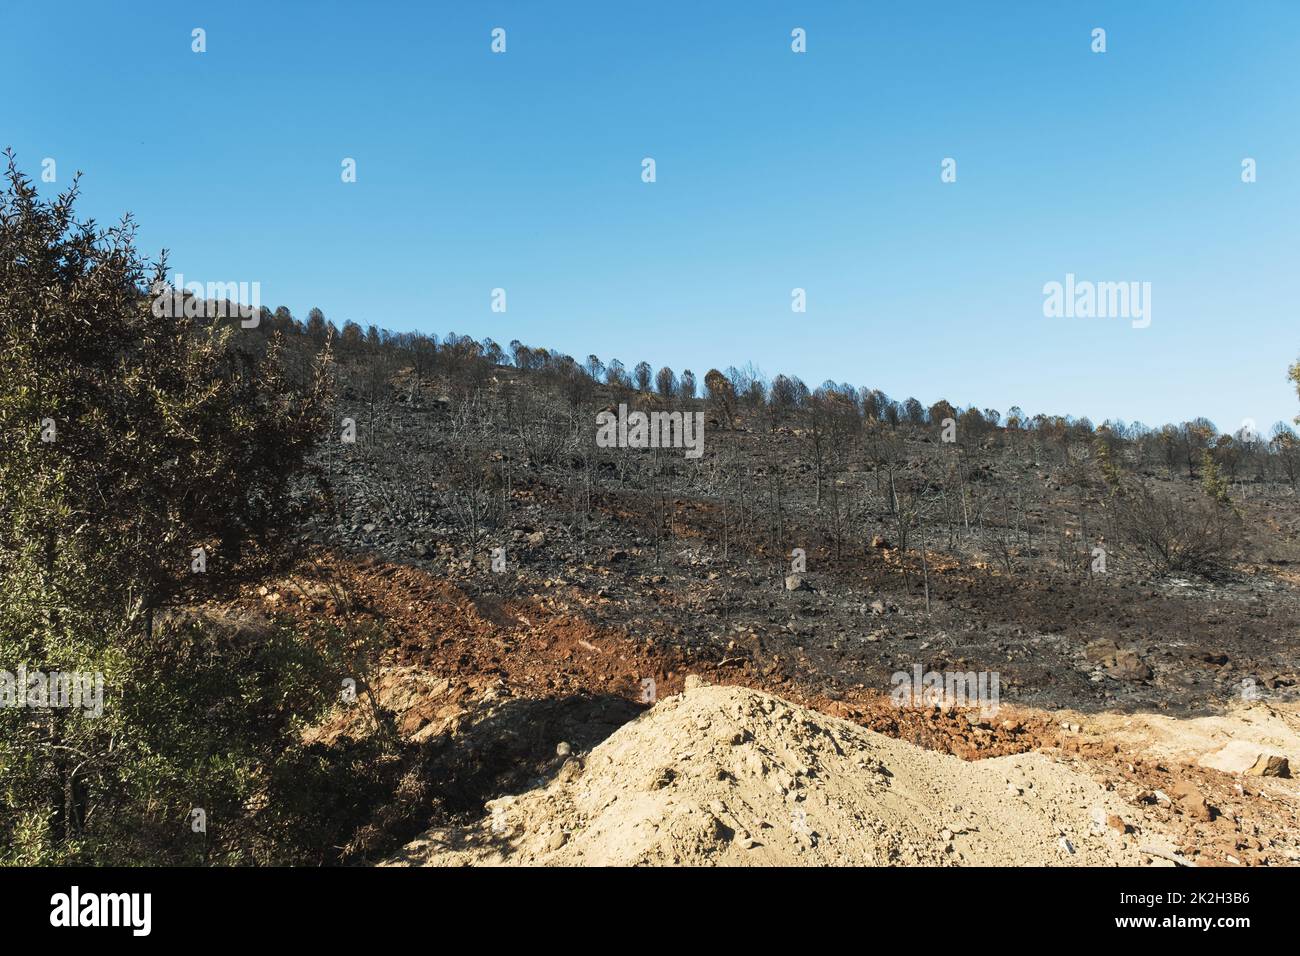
[446,780]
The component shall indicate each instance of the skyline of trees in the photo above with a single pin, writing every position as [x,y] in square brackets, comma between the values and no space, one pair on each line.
[1179,446]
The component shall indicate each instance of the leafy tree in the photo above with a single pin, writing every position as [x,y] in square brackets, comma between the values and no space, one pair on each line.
[1104,447]
[133,436]
[1211,480]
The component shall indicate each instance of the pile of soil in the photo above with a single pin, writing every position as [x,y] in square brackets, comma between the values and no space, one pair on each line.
[725,775]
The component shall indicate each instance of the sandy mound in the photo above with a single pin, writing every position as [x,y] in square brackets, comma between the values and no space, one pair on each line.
[730,776]
[1232,741]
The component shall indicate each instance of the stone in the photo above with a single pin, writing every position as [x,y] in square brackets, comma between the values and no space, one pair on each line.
[1128,666]
[1270,765]
[1242,756]
[1101,652]
[1191,802]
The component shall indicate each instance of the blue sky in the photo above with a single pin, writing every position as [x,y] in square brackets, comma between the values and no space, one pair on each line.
[775,171]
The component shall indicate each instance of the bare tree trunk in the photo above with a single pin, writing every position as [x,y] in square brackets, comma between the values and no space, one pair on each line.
[925,564]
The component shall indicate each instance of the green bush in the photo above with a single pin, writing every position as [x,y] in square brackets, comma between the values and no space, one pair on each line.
[127,439]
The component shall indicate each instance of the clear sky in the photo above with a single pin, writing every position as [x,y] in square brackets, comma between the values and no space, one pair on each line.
[775,170]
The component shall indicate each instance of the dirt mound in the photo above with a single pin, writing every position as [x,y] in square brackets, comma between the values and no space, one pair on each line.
[733,776]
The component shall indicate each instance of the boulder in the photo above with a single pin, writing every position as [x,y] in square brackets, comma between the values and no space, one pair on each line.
[1242,756]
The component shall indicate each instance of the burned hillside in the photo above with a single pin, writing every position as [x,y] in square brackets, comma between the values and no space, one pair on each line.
[833,532]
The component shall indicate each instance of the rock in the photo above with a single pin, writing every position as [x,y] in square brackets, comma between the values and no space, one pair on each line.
[1116,822]
[1242,756]
[1128,666]
[562,749]
[536,539]
[1191,802]
[663,777]
[795,582]
[1116,662]
[1270,765]
[1101,652]
[368,527]
[693,681]
[414,719]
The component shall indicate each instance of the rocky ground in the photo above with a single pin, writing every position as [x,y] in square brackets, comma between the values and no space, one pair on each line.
[511,693]
[1123,640]
[1128,689]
